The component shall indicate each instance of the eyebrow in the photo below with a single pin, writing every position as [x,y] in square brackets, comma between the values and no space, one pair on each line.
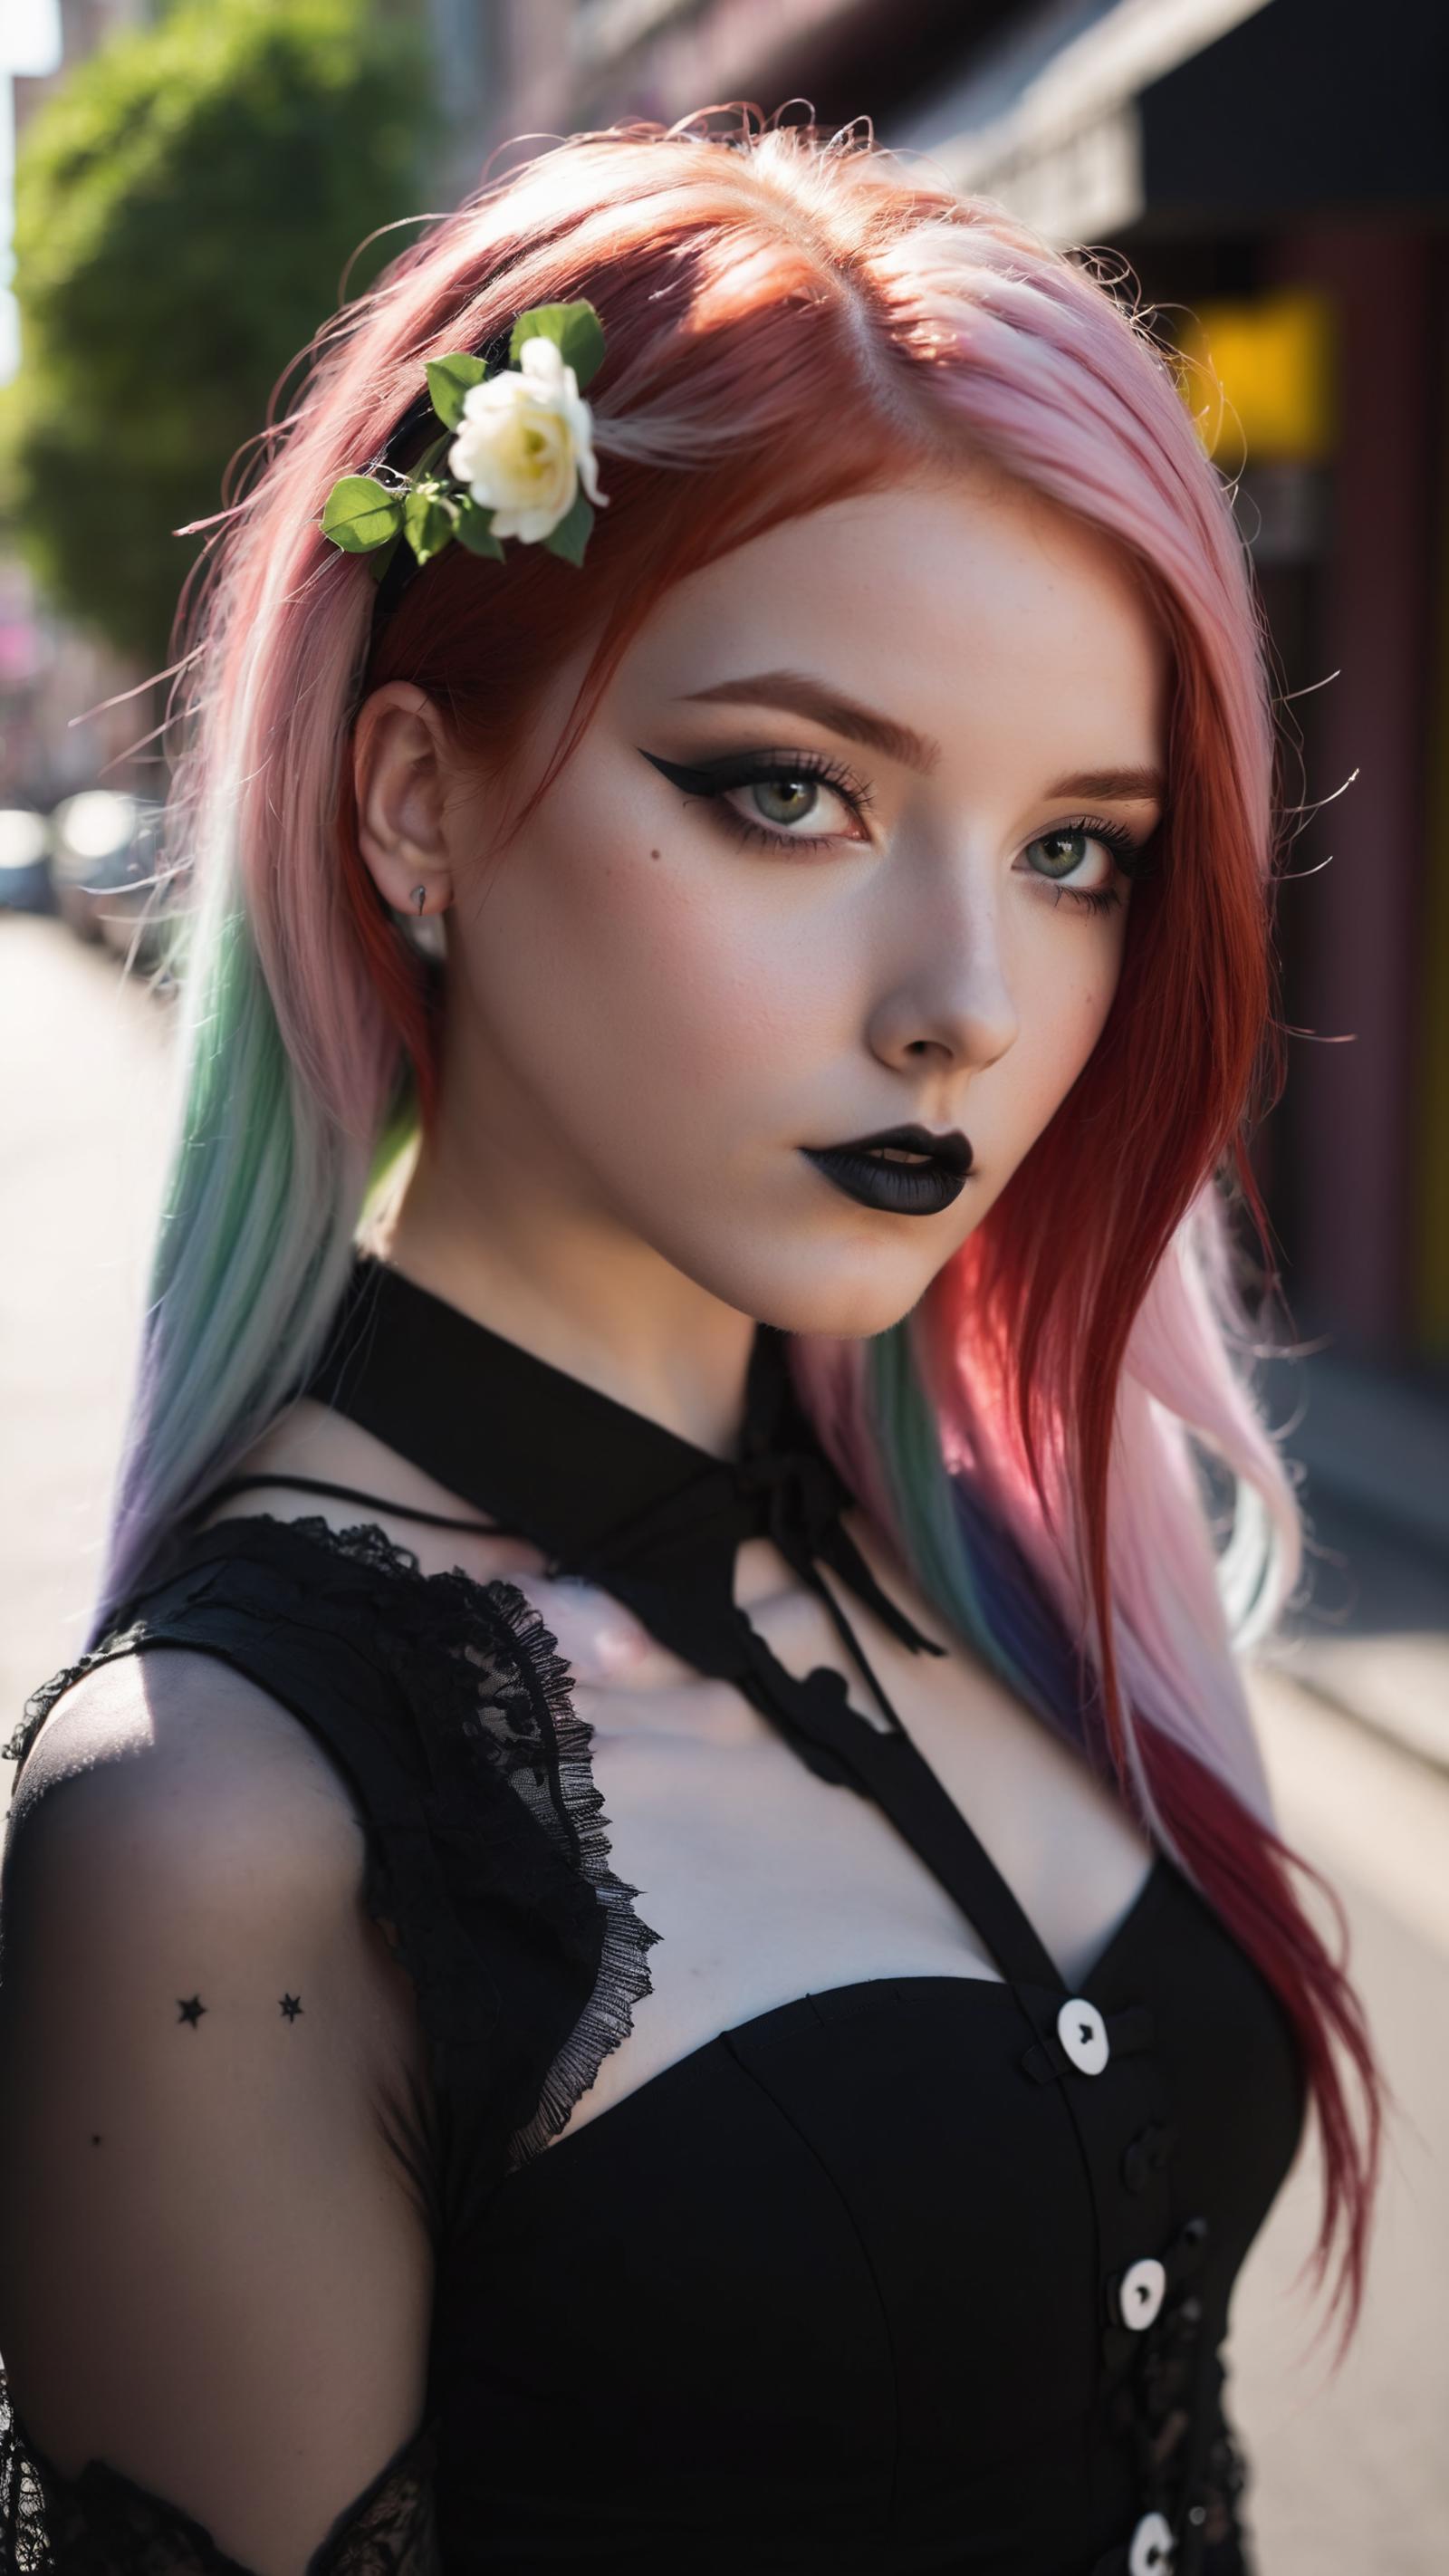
[804,696]
[1113,786]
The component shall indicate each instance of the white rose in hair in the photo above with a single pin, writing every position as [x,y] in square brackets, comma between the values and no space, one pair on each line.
[525,442]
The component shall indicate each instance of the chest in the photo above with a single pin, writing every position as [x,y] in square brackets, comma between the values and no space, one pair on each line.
[765,1882]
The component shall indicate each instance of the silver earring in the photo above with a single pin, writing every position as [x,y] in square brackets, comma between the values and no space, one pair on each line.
[420,896]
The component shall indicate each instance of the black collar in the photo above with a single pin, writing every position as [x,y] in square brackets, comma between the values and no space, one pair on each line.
[610,1495]
[603,1491]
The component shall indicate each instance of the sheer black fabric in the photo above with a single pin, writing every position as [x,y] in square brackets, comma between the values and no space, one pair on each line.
[103,2524]
[924,2276]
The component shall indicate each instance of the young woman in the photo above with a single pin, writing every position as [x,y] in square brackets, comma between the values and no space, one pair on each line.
[650,1936]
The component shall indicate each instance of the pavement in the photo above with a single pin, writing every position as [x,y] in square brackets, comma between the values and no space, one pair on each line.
[1371,1634]
[1350,2468]
[83,1075]
[1351,2472]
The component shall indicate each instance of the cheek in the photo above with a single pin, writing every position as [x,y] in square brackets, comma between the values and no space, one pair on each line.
[1066,998]
[667,965]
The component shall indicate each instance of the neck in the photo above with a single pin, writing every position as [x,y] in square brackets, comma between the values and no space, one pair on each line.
[576,1291]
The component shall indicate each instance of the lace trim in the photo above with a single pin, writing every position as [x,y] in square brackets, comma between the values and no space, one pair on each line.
[1226,2549]
[546,1754]
[578,1802]
[1155,2407]
[490,1699]
[42,1701]
[102,2524]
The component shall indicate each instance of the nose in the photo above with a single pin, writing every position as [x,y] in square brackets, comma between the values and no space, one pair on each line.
[949,1000]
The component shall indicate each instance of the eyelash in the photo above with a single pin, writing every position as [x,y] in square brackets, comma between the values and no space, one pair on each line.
[1134,859]
[809,764]
[713,786]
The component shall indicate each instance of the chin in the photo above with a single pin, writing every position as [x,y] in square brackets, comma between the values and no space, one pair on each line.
[834,1296]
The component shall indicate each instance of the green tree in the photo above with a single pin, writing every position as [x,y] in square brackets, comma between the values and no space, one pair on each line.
[186,207]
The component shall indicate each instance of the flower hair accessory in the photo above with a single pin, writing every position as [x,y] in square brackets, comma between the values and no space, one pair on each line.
[519,456]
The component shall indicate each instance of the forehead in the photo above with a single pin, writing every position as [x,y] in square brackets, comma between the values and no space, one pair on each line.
[969,608]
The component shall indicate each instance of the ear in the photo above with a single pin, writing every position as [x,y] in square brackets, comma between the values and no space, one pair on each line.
[402,769]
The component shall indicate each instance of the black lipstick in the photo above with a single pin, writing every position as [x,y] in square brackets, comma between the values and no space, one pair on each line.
[905,1170]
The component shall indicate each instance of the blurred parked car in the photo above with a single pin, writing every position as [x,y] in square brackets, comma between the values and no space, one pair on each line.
[25,884]
[103,861]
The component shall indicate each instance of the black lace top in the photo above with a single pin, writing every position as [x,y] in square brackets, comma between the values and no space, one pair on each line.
[908,2277]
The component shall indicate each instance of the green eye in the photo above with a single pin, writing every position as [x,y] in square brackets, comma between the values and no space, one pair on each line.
[786,800]
[1066,846]
[795,781]
[1071,847]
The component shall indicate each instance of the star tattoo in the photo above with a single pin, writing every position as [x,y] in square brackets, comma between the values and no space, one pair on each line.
[291,2006]
[192,2011]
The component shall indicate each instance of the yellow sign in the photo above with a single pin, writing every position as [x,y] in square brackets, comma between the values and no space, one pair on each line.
[1259,378]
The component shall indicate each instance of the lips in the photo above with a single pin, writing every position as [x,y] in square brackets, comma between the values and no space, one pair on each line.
[952,1151]
[907,1171]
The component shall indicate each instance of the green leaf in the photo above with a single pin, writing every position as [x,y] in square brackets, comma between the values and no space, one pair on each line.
[360,513]
[475,528]
[571,535]
[381,557]
[449,379]
[428,524]
[575,327]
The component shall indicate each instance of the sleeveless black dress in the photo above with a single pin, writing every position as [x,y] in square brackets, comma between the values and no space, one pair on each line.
[922,2276]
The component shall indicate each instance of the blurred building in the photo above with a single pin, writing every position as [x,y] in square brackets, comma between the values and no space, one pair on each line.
[1280,169]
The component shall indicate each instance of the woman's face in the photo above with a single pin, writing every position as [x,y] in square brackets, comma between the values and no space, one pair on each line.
[925,736]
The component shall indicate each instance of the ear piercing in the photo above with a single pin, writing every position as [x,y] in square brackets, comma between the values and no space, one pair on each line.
[420,896]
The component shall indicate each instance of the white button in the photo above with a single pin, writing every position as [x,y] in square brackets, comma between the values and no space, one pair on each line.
[1144,2287]
[1150,2550]
[1083,2035]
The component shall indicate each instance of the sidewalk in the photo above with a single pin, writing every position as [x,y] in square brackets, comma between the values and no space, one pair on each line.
[1372,1638]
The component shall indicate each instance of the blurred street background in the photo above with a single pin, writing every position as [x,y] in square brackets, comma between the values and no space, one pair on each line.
[193,186]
